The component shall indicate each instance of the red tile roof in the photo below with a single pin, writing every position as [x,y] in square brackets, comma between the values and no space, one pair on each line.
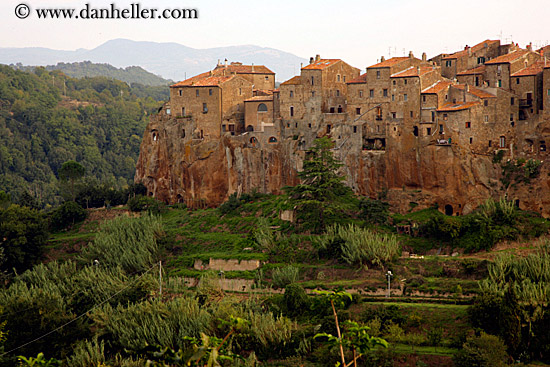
[475,91]
[464,52]
[449,107]
[207,79]
[508,58]
[359,80]
[292,81]
[238,68]
[321,64]
[437,87]
[478,70]
[413,71]
[534,69]
[260,99]
[389,62]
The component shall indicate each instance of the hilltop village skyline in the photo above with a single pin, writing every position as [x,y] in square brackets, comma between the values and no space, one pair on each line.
[391,123]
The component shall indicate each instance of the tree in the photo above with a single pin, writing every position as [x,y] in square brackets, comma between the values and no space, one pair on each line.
[23,234]
[483,351]
[322,192]
[67,214]
[70,172]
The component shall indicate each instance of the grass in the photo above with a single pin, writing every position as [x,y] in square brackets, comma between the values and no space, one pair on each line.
[424,350]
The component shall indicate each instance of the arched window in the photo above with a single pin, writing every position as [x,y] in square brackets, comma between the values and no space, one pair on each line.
[250,128]
[183,133]
[415,131]
[272,139]
[262,107]
[253,140]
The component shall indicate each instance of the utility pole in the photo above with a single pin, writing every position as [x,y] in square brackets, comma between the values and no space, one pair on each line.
[389,275]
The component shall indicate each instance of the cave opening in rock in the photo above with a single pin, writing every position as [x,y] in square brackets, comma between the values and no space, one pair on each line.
[448,209]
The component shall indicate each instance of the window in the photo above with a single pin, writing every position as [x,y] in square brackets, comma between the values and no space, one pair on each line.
[490,143]
[250,128]
[266,78]
[441,129]
[312,110]
[377,74]
[448,63]
[337,92]
[433,116]
[253,140]
[392,97]
[511,117]
[340,109]
[291,111]
[224,128]
[548,92]
[360,93]
[371,93]
[428,131]
[168,112]
[445,116]
[423,99]
[312,80]
[405,97]
[499,69]
[210,91]
[181,92]
[502,142]
[477,81]
[272,139]
[385,93]
[328,128]
[412,114]
[358,111]
[379,113]
[344,78]
[331,110]
[313,93]
[204,108]
[394,82]
[393,115]
[291,94]
[512,101]
[468,124]
[183,111]
[446,96]
[355,129]
[309,125]
[471,140]
[486,118]
[481,60]
[404,81]
[500,83]
[262,107]
[338,77]
[485,102]
[240,91]
[197,92]
[296,125]
[517,80]
[415,131]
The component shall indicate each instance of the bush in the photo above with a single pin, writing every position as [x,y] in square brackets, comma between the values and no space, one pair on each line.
[483,351]
[146,203]
[374,211]
[296,301]
[282,277]
[68,214]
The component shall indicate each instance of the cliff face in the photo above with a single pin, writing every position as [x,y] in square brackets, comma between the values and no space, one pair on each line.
[411,173]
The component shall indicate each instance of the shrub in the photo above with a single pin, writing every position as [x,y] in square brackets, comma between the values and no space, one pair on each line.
[483,351]
[284,276]
[374,211]
[68,214]
[145,203]
[296,301]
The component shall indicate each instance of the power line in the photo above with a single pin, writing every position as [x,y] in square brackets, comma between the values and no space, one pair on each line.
[80,316]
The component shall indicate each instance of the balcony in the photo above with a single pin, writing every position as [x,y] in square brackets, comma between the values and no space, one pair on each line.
[525,103]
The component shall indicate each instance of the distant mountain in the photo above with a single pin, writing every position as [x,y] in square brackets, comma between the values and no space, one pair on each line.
[130,74]
[170,60]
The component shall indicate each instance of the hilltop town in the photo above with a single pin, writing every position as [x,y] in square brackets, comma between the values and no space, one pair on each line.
[418,131]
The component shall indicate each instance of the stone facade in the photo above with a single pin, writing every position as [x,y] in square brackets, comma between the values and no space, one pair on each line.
[422,131]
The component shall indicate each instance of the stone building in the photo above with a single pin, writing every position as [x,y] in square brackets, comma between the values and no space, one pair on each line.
[469,58]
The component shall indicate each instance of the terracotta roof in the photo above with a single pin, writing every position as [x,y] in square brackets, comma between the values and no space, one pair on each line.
[464,52]
[475,91]
[389,62]
[238,68]
[449,107]
[207,79]
[260,99]
[534,69]
[478,70]
[359,80]
[292,81]
[413,71]
[437,87]
[262,92]
[321,64]
[508,58]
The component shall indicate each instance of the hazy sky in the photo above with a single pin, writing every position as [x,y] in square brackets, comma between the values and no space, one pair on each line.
[357,31]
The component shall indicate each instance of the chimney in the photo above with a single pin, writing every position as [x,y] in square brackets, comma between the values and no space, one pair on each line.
[317,58]
[530,46]
[382,59]
[418,70]
[424,56]
[252,67]
[469,51]
[311,60]
[225,62]
[211,73]
[219,62]
[301,65]
[411,56]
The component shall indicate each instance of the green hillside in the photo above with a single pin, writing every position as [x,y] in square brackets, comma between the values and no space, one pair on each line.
[47,118]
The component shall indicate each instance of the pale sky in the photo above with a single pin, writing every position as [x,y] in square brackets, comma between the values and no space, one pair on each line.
[358,32]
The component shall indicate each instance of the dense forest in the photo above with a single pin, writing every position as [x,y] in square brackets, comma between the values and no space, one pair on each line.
[88,69]
[47,118]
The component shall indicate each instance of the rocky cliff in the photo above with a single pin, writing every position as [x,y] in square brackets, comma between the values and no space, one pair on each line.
[410,172]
